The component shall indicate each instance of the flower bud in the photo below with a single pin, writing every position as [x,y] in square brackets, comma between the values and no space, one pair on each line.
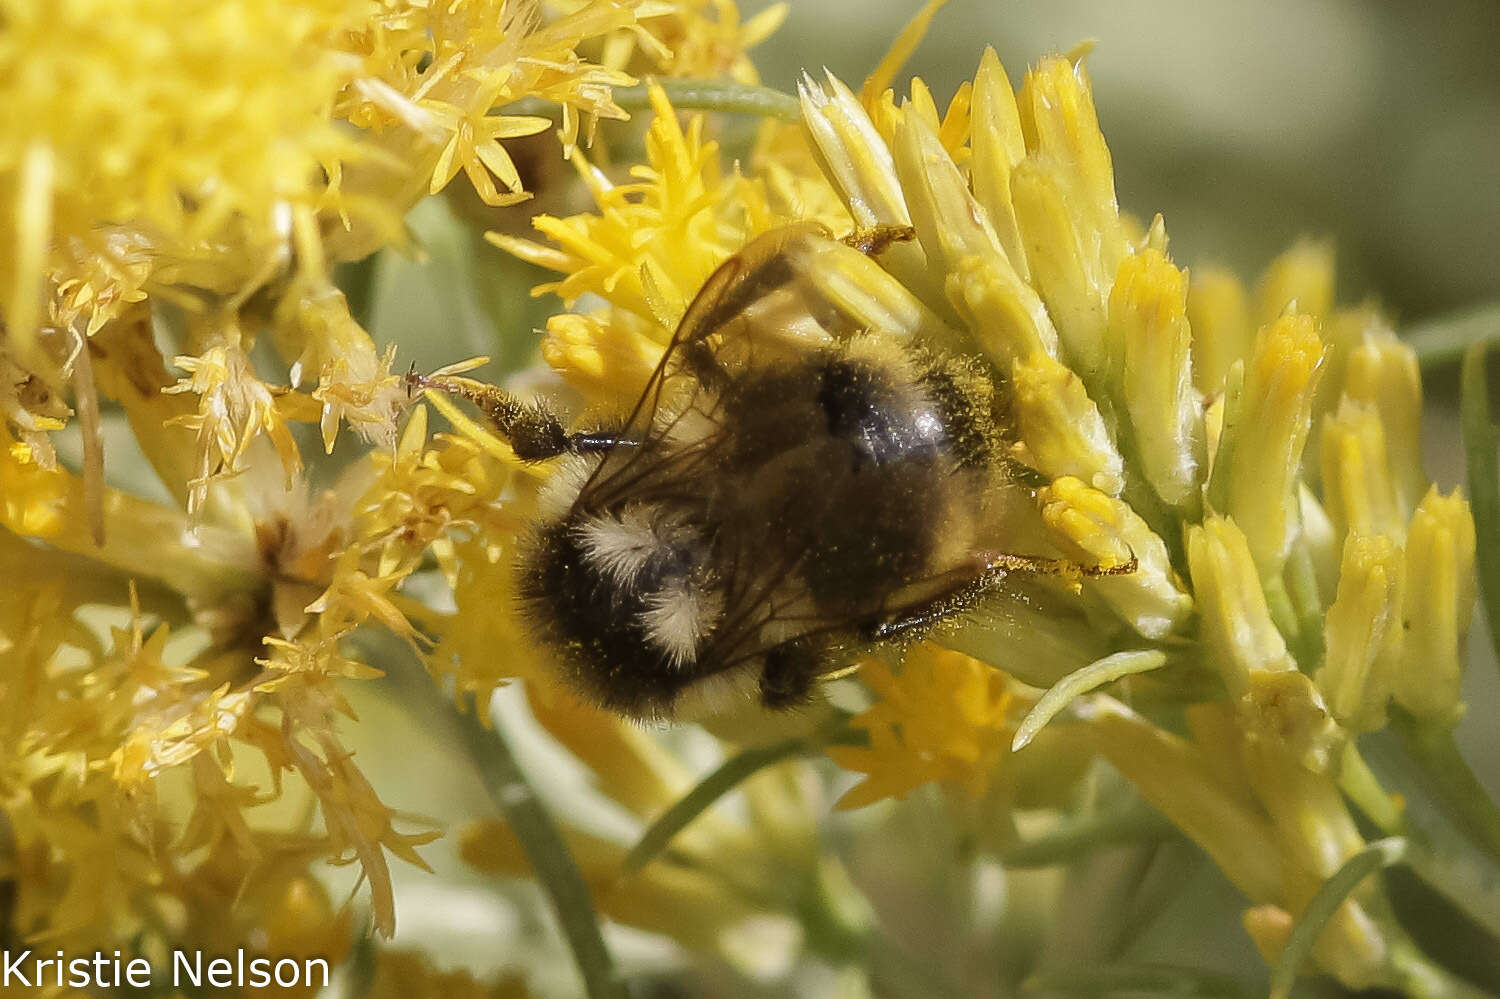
[1097,529]
[1064,198]
[1300,279]
[1219,315]
[1382,371]
[856,157]
[1148,326]
[1439,606]
[1358,491]
[1363,633]
[1265,431]
[1061,425]
[1235,623]
[998,146]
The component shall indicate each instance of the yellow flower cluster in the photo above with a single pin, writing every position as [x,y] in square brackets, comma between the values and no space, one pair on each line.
[192,173]
[945,717]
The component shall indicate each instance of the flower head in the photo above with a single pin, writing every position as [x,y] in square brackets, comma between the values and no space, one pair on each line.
[945,717]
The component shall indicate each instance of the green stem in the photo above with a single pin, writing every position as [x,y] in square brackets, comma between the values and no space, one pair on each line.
[1442,853]
[549,856]
[1301,579]
[1443,340]
[1361,786]
[1286,619]
[1484,480]
[1432,747]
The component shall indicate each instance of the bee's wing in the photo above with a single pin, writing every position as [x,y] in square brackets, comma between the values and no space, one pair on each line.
[713,341]
[767,603]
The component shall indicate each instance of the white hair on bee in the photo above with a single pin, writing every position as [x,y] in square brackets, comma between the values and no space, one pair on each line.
[679,616]
[620,545]
[570,474]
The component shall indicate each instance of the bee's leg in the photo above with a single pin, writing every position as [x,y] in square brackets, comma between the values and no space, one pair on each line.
[996,567]
[912,621]
[873,241]
[788,675]
[533,431]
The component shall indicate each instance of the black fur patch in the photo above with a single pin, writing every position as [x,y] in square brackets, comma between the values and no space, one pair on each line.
[599,625]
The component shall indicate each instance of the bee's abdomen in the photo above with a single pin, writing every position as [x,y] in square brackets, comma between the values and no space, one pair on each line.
[626,600]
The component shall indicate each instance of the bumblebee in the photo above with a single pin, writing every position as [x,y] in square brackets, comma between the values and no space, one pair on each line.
[788,489]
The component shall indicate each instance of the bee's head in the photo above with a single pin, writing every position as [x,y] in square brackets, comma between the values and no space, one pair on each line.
[628,597]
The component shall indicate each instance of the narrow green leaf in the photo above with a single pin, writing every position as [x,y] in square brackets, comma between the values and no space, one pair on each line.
[726,778]
[1310,924]
[1079,682]
[1484,479]
[687,94]
[1147,979]
[716,95]
[549,856]
[1076,837]
[1443,340]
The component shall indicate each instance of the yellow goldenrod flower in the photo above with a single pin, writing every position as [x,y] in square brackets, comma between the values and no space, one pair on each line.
[998,146]
[192,172]
[944,717]
[1097,529]
[1359,491]
[1299,280]
[1065,201]
[172,763]
[859,162]
[1008,318]
[1063,430]
[1148,327]
[1265,427]
[1238,634]
[234,407]
[1382,372]
[1273,827]
[1218,313]
[1128,389]
[704,39]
